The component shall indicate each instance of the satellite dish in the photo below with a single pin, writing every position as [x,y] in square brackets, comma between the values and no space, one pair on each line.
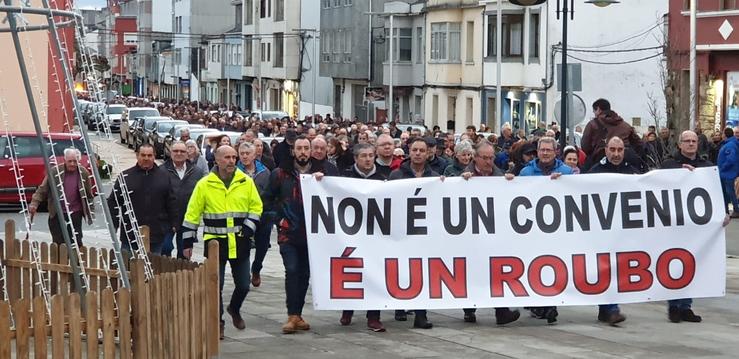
[577,111]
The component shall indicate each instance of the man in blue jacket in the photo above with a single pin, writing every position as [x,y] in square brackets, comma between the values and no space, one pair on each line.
[546,164]
[728,169]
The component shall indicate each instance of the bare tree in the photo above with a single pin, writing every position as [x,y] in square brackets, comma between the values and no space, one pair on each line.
[654,109]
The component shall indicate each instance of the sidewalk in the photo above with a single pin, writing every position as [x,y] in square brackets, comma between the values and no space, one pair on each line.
[578,334]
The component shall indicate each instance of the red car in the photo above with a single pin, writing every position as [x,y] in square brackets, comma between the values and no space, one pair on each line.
[30,159]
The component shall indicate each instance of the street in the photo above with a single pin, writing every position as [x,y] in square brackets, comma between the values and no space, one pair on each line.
[645,333]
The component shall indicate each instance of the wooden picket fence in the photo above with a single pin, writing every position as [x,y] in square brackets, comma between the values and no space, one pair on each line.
[174,315]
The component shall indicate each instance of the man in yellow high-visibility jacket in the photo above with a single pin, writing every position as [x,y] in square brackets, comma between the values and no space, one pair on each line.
[229,205]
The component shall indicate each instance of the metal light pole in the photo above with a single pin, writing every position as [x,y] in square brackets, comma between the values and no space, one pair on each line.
[497,122]
[392,79]
[693,65]
[567,9]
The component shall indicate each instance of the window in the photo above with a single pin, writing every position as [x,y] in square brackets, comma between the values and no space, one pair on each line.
[177,56]
[249,15]
[348,2]
[212,53]
[248,51]
[470,47]
[338,43]
[402,45]
[512,35]
[239,13]
[534,35]
[727,5]
[326,46]
[337,3]
[178,24]
[279,10]
[265,8]
[326,4]
[445,38]
[348,46]
[419,45]
[279,43]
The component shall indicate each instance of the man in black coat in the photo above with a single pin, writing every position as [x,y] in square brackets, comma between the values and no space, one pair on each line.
[364,168]
[416,167]
[183,176]
[686,157]
[614,162]
[152,199]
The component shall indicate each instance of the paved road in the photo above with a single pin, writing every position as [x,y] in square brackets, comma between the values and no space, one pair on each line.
[646,332]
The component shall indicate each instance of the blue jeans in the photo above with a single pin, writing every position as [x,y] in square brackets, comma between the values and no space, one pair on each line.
[297,276]
[167,245]
[727,186]
[261,244]
[608,308]
[682,304]
[241,276]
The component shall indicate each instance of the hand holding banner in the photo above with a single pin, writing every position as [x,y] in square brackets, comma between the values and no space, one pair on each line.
[489,242]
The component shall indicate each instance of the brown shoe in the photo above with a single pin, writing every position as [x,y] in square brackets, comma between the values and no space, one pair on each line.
[256,279]
[236,317]
[291,326]
[302,324]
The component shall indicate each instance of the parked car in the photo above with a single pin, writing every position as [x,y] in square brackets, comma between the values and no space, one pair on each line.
[146,126]
[269,115]
[132,114]
[174,135]
[31,161]
[160,133]
[113,114]
[204,139]
[131,132]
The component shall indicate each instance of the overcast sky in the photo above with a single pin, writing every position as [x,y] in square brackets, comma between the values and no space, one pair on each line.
[91,3]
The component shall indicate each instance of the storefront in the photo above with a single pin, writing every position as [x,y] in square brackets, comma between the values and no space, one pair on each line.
[521,109]
[732,99]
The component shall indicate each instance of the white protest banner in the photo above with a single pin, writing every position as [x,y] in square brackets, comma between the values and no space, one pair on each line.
[488,242]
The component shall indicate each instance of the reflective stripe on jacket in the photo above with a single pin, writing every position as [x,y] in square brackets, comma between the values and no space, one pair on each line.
[229,215]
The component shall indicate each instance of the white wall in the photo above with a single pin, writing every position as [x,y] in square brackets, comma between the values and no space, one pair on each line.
[625,86]
[310,18]
[161,14]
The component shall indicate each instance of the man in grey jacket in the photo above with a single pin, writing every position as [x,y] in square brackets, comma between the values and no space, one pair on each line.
[183,176]
[260,174]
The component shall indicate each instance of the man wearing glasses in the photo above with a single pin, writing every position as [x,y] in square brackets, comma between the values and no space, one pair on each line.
[183,176]
[687,157]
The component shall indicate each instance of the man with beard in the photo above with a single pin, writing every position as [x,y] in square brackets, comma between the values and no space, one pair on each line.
[365,167]
[604,126]
[286,196]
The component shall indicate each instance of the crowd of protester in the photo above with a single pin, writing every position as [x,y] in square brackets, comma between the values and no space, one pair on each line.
[342,147]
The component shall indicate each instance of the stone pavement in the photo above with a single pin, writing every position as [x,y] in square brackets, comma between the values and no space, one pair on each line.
[645,333]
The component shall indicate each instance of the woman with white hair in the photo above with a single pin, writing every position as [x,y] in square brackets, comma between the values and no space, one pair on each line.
[462,155]
[193,155]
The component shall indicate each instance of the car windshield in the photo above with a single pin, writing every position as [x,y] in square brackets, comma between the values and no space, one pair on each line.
[143,113]
[115,110]
[149,123]
[164,127]
[27,146]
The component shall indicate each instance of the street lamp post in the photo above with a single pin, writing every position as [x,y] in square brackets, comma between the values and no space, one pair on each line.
[566,9]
